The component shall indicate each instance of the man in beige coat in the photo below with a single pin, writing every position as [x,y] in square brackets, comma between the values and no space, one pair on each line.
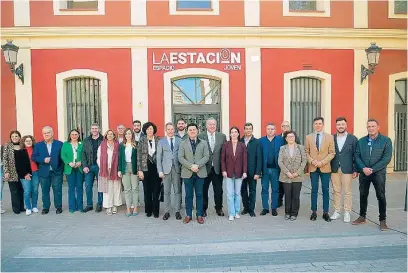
[319,151]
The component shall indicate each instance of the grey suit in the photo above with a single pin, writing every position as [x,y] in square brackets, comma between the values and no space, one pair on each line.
[214,170]
[346,157]
[187,158]
[167,163]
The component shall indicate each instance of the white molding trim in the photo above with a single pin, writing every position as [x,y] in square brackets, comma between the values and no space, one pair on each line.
[391,14]
[138,13]
[360,12]
[252,13]
[360,95]
[223,76]
[323,6]
[60,79]
[253,90]
[21,13]
[391,108]
[215,5]
[326,93]
[140,93]
[62,4]
[24,95]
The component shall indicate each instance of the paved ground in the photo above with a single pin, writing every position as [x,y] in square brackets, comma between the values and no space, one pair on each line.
[96,242]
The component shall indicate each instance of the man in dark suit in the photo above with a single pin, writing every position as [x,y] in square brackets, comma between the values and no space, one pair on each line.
[215,141]
[343,168]
[182,135]
[254,170]
[47,154]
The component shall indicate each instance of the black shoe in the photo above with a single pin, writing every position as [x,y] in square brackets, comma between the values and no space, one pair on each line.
[98,209]
[220,212]
[165,216]
[59,211]
[178,216]
[252,214]
[22,210]
[264,212]
[326,217]
[156,216]
[204,213]
[45,211]
[87,208]
[149,214]
[244,211]
[313,217]
[274,212]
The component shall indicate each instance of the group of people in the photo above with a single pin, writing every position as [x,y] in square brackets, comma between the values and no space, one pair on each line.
[119,160]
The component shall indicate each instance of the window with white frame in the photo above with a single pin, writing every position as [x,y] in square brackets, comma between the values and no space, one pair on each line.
[194,7]
[309,8]
[79,7]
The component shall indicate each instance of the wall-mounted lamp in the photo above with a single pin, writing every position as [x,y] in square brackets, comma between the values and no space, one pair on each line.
[10,51]
[373,56]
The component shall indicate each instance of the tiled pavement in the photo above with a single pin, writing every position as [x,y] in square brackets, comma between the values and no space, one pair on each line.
[94,242]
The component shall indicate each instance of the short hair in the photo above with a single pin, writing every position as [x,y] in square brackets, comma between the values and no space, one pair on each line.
[23,139]
[14,132]
[49,128]
[180,119]
[210,118]
[106,134]
[192,125]
[285,134]
[373,120]
[341,119]
[95,124]
[169,123]
[249,124]
[318,118]
[236,128]
[147,125]
[270,124]
[74,130]
[120,126]
[137,121]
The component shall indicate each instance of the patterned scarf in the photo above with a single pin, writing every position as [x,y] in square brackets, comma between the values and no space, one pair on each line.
[104,171]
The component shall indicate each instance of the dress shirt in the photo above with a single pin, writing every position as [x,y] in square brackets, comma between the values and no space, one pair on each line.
[128,152]
[341,140]
[320,139]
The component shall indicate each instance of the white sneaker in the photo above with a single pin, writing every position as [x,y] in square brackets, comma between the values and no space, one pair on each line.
[2,210]
[35,210]
[28,212]
[336,215]
[109,211]
[347,217]
[237,216]
[231,218]
[114,210]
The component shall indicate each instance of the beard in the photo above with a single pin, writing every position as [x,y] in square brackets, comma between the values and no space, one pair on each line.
[341,131]
[137,131]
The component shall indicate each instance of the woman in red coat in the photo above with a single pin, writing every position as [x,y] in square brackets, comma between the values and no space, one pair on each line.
[234,169]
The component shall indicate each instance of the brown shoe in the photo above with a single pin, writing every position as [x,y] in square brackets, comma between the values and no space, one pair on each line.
[383,226]
[200,220]
[360,220]
[186,220]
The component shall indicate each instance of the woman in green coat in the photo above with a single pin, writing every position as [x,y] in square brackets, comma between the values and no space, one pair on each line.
[71,155]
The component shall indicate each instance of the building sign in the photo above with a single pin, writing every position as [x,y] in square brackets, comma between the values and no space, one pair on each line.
[169,61]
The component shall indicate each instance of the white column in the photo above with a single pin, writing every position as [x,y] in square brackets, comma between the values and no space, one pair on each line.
[138,14]
[24,96]
[252,13]
[140,94]
[21,13]
[360,95]
[361,13]
[253,88]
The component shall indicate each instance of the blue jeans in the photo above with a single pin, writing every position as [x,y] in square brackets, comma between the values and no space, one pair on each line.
[234,195]
[30,191]
[325,178]
[270,177]
[89,181]
[55,181]
[75,191]
[190,184]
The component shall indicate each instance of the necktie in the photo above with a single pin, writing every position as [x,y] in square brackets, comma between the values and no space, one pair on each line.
[317,142]
[171,144]
[212,143]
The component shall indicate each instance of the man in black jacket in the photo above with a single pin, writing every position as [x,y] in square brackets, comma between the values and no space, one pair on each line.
[254,170]
[373,154]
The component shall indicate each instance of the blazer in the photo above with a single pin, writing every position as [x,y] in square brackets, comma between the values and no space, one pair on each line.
[295,164]
[9,162]
[380,156]
[234,165]
[23,165]
[122,159]
[143,153]
[165,157]
[182,138]
[67,156]
[346,157]
[264,144]
[87,151]
[40,152]
[325,154]
[215,157]
[254,157]
[187,158]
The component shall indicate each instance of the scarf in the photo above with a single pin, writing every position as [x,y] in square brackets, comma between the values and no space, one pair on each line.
[104,171]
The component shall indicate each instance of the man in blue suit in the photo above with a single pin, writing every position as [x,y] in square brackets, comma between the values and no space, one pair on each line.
[47,154]
[270,144]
